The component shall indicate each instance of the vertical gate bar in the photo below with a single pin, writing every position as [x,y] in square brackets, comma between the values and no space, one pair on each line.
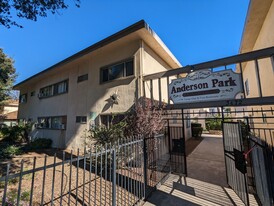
[167,80]
[145,165]
[70,175]
[160,92]
[242,78]
[151,92]
[118,153]
[32,180]
[257,69]
[110,174]
[96,172]
[106,147]
[126,182]
[44,178]
[53,179]
[183,131]
[84,176]
[169,149]
[20,183]
[62,178]
[89,175]
[244,175]
[131,166]
[114,177]
[77,171]
[101,171]
[6,185]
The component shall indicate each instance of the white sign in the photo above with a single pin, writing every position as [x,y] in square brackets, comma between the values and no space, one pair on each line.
[203,86]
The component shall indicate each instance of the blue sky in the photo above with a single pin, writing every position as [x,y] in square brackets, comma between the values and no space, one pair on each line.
[194,30]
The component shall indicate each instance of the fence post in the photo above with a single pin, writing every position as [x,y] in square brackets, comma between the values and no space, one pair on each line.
[114,177]
[145,165]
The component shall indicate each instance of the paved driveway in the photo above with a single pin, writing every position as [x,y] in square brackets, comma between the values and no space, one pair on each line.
[207,162]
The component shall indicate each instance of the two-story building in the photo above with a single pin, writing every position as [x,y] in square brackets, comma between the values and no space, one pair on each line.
[80,91]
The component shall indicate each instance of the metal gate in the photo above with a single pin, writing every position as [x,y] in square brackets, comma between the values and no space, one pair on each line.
[235,160]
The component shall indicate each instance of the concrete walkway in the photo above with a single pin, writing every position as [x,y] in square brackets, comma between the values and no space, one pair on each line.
[207,162]
[177,191]
[206,182]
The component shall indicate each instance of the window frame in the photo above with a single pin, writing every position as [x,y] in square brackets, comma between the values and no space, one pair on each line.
[53,89]
[26,98]
[63,122]
[81,119]
[82,78]
[124,72]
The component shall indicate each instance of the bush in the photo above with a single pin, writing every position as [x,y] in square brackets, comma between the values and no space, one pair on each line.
[8,151]
[16,134]
[40,143]
[213,124]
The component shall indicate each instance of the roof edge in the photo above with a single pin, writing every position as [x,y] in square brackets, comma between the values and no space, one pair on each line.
[122,33]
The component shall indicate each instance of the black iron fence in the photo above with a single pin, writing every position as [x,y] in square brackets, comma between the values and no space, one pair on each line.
[120,174]
[261,149]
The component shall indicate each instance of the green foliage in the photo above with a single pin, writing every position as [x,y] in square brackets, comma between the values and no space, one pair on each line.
[213,124]
[7,75]
[16,134]
[29,9]
[40,143]
[102,134]
[8,151]
[12,198]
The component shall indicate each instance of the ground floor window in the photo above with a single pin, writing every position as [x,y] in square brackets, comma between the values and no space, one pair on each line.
[110,119]
[58,122]
[81,119]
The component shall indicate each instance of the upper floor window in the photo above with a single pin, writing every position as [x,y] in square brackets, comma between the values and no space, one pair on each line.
[116,71]
[54,89]
[23,98]
[82,78]
[32,93]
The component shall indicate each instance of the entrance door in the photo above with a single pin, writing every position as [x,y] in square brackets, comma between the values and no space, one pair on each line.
[234,159]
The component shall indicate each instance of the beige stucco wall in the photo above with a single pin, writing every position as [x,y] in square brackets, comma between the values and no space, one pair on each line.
[89,98]
[84,97]
[266,68]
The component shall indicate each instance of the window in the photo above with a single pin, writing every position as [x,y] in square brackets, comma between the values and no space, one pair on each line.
[32,93]
[82,78]
[81,119]
[247,87]
[108,120]
[23,98]
[116,71]
[55,89]
[58,122]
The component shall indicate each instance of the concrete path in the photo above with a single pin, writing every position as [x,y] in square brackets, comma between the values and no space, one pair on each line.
[177,191]
[206,162]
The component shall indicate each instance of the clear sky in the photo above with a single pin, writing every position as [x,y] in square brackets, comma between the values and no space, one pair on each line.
[194,30]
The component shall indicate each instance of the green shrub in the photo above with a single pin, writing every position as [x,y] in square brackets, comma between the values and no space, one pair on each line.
[16,134]
[8,151]
[213,124]
[40,143]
